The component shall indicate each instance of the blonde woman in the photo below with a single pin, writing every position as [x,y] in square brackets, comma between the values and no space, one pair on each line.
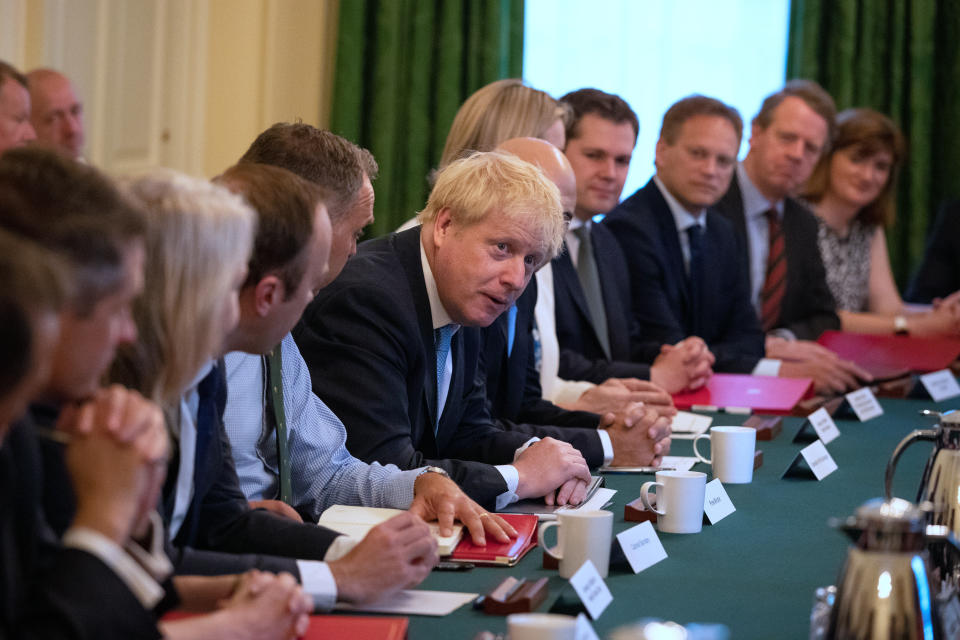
[198,241]
[852,193]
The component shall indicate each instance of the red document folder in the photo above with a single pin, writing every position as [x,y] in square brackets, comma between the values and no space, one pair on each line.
[740,393]
[888,357]
[342,627]
[500,553]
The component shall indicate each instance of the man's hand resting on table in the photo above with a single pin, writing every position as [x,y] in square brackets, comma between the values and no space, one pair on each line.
[436,497]
[554,470]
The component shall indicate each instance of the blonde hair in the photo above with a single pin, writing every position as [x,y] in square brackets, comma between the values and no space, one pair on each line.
[497,112]
[199,236]
[494,181]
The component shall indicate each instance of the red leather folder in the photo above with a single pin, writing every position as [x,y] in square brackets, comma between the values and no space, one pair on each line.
[888,357]
[746,394]
[500,553]
[341,627]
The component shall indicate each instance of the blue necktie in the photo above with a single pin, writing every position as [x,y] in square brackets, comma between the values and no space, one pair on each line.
[696,274]
[511,328]
[442,338]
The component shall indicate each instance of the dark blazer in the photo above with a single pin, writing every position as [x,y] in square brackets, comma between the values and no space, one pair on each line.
[808,306]
[219,519]
[660,288]
[514,397]
[939,273]
[368,341]
[581,355]
[48,591]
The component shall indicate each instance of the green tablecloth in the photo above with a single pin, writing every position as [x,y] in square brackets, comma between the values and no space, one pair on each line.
[756,570]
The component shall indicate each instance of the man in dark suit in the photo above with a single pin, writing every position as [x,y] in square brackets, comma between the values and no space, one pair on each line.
[939,273]
[393,345]
[687,266]
[634,435]
[598,337]
[788,283]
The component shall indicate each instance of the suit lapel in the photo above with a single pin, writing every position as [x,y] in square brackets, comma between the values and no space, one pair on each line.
[669,237]
[568,279]
[407,246]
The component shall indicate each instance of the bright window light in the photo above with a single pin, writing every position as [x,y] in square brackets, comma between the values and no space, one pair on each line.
[654,52]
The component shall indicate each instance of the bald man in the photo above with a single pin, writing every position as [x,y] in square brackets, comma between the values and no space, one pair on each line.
[633,434]
[56,113]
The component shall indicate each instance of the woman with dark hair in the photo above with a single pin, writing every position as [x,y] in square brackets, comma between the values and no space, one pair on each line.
[852,192]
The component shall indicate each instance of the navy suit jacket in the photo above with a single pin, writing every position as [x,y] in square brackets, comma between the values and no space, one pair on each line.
[512,381]
[581,355]
[368,341]
[939,273]
[662,299]
[221,533]
[808,307]
[48,591]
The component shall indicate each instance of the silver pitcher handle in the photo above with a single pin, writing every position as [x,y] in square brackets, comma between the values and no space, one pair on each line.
[916,434]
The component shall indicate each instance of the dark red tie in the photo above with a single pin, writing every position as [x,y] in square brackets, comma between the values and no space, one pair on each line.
[775,283]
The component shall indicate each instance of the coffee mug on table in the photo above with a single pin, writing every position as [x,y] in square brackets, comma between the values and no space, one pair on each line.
[731,453]
[581,536]
[679,505]
[541,626]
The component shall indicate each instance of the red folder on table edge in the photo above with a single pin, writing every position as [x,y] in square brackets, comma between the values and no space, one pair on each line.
[500,553]
[341,627]
[887,356]
[758,394]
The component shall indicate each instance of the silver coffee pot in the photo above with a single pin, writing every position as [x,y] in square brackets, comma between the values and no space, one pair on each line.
[884,589]
[940,484]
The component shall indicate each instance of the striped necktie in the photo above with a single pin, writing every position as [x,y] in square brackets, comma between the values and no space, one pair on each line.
[775,282]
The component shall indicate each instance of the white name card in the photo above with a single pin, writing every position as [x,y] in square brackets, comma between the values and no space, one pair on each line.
[824,425]
[592,590]
[864,404]
[584,630]
[819,460]
[641,546]
[716,503]
[941,385]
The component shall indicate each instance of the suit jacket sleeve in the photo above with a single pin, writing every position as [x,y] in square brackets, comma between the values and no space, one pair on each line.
[812,309]
[226,522]
[362,345]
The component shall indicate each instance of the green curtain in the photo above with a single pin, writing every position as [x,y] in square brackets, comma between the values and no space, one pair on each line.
[403,68]
[901,57]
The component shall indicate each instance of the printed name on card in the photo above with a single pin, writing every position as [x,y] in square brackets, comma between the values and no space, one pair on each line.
[864,404]
[941,385]
[592,590]
[641,546]
[716,503]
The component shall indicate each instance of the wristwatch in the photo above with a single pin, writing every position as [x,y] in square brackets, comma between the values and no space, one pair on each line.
[900,326]
[439,470]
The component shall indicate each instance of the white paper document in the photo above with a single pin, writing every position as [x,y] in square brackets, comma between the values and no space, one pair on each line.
[689,424]
[679,463]
[414,602]
[596,502]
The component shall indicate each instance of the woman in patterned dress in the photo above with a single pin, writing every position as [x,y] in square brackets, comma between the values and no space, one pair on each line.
[852,192]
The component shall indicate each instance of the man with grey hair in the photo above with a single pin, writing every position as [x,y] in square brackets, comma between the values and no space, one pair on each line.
[56,112]
[15,127]
[393,343]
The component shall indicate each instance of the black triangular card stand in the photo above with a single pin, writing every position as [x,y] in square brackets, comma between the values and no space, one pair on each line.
[799,470]
[569,603]
[919,392]
[844,411]
[806,434]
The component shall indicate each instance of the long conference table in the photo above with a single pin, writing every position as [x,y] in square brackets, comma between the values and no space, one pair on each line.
[756,570]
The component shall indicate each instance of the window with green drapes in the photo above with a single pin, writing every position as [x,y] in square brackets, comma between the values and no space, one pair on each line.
[403,68]
[901,57]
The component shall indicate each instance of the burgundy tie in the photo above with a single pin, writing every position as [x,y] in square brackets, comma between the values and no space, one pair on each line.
[775,283]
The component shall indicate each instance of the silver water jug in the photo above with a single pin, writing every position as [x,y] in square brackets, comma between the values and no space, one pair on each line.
[884,589]
[940,484]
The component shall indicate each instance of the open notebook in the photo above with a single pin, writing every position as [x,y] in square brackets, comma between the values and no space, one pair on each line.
[357,521]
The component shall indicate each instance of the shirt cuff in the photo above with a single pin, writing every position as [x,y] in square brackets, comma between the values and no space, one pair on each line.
[318,582]
[512,477]
[786,334]
[767,367]
[138,580]
[341,546]
[151,555]
[568,391]
[607,446]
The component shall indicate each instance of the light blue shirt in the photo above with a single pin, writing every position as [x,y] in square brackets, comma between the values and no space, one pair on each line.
[683,219]
[323,472]
[755,205]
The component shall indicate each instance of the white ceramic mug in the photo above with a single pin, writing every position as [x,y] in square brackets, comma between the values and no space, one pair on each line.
[731,453]
[679,506]
[581,536]
[541,626]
